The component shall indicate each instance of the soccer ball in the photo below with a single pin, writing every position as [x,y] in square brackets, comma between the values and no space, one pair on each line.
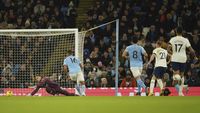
[9,93]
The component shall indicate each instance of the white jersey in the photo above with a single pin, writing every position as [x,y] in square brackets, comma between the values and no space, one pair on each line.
[161,57]
[179,45]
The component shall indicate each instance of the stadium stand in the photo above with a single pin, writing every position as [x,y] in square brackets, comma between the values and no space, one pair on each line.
[160,16]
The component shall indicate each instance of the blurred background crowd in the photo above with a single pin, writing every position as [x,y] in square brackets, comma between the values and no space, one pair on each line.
[148,20]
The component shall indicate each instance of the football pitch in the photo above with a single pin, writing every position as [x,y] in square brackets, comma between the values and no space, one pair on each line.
[99,104]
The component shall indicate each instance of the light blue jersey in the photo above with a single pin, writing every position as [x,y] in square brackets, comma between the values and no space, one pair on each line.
[73,64]
[135,54]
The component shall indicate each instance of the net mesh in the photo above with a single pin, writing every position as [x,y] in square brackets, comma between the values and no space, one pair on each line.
[25,54]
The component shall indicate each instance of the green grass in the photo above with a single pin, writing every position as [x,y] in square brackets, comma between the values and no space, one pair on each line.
[99,104]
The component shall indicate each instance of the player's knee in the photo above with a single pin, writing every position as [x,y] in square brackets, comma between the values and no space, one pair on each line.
[153,77]
[177,77]
[137,77]
[176,72]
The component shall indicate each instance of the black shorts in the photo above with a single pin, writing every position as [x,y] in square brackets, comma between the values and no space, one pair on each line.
[159,72]
[178,66]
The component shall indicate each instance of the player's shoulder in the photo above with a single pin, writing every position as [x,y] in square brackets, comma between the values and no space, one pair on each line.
[66,58]
[138,46]
[156,50]
[173,38]
[159,49]
[163,49]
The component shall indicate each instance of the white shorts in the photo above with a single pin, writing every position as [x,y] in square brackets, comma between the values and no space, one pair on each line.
[77,77]
[136,71]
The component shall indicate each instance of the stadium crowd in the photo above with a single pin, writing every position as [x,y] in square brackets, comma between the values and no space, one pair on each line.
[35,14]
[148,20]
[161,17]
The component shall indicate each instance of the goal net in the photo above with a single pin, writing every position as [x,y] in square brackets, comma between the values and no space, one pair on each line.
[27,53]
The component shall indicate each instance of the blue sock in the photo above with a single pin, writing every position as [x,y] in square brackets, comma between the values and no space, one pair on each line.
[177,87]
[139,88]
[140,84]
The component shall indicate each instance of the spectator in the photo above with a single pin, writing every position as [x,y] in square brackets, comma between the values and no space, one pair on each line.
[152,35]
[128,81]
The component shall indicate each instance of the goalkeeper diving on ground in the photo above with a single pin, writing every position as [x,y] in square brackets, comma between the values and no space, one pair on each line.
[51,87]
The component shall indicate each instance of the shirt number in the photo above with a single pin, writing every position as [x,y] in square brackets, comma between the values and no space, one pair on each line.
[162,55]
[178,47]
[73,60]
[135,54]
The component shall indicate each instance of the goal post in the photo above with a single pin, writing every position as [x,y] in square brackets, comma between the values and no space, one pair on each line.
[25,53]
[115,23]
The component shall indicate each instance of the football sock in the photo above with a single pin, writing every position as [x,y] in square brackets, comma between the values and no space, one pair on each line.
[160,83]
[82,90]
[181,86]
[77,89]
[182,81]
[140,84]
[180,90]
[177,87]
[152,84]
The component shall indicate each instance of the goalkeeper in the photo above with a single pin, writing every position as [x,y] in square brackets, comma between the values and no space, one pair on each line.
[50,86]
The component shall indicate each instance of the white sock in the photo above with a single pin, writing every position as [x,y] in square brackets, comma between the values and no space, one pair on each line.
[82,90]
[160,83]
[182,80]
[181,90]
[181,86]
[77,89]
[152,84]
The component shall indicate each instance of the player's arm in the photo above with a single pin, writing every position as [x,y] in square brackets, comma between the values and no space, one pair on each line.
[192,52]
[125,54]
[169,48]
[65,69]
[169,56]
[35,91]
[151,58]
[81,65]
[145,54]
[39,85]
